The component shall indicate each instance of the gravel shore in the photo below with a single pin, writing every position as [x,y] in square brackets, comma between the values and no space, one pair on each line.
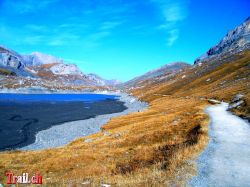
[65,133]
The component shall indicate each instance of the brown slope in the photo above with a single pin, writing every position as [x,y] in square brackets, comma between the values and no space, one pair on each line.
[215,79]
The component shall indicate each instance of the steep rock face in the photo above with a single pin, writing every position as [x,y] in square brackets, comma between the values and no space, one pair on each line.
[235,41]
[10,59]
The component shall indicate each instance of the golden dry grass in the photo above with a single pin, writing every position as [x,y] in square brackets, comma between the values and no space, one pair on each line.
[163,139]
[150,148]
[221,82]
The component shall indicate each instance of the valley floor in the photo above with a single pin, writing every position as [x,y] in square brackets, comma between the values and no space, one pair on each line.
[141,148]
[149,148]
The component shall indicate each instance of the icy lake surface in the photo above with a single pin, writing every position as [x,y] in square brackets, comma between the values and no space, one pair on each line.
[226,160]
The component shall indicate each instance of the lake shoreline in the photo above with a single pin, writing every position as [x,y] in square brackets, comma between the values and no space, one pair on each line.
[21,120]
[60,135]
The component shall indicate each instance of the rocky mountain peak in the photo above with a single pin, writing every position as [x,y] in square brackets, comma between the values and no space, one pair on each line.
[235,41]
[10,58]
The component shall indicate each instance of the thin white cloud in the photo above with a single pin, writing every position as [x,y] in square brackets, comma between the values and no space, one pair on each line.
[108,25]
[94,40]
[32,40]
[73,25]
[99,35]
[63,39]
[173,13]
[56,42]
[172,36]
[86,29]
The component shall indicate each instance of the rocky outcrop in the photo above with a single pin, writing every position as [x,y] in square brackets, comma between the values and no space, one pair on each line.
[213,101]
[11,59]
[47,67]
[235,41]
[239,106]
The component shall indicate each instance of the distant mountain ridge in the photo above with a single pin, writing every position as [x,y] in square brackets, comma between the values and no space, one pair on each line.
[44,66]
[102,81]
[160,73]
[235,41]
[233,48]
[52,68]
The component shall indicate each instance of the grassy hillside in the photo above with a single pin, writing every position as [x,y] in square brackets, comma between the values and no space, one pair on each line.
[217,79]
[150,148]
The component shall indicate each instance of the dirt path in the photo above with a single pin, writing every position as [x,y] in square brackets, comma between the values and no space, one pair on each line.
[226,160]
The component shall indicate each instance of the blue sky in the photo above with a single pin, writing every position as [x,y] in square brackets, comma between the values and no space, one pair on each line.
[118,39]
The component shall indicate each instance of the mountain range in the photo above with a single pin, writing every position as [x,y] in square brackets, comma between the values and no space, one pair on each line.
[43,67]
[159,74]
[45,70]
[235,41]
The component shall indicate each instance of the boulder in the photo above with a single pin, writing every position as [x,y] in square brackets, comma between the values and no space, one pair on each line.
[213,101]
